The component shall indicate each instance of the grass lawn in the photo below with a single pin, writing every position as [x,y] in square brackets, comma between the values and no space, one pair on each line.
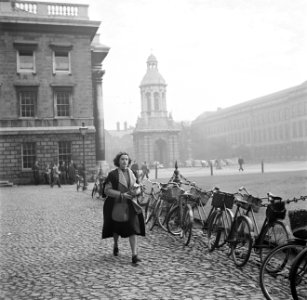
[284,184]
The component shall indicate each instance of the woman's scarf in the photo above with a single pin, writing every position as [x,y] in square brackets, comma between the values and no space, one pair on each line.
[122,179]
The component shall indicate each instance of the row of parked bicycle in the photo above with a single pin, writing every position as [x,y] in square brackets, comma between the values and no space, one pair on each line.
[230,222]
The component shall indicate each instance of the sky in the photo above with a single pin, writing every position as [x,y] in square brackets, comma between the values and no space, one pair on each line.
[212,53]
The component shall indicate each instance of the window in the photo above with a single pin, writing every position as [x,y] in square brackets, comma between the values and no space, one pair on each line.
[28,155]
[61,61]
[156,101]
[62,102]
[27,102]
[148,101]
[25,61]
[294,130]
[65,151]
[25,51]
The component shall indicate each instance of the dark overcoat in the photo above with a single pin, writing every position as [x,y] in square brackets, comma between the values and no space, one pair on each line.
[107,229]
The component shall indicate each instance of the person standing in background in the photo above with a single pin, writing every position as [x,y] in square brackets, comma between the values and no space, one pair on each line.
[35,170]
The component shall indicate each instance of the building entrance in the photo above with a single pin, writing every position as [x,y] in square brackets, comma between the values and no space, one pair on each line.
[160,151]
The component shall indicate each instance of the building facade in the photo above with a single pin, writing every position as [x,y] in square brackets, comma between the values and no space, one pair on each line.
[273,127]
[155,137]
[50,87]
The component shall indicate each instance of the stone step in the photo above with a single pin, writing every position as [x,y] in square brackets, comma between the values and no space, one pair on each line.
[6,183]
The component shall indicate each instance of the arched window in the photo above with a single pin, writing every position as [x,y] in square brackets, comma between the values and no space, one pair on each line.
[148,101]
[156,101]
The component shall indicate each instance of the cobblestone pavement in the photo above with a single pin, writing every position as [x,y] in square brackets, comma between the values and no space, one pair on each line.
[51,249]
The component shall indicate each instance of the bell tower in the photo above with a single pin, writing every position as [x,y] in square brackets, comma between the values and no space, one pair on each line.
[155,137]
[153,91]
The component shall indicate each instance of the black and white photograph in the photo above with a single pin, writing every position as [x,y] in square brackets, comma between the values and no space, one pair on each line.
[153,149]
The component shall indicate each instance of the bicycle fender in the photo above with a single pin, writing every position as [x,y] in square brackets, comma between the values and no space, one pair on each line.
[249,221]
[190,210]
[231,213]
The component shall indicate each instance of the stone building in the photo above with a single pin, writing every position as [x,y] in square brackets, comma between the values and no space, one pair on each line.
[155,137]
[118,140]
[50,86]
[273,127]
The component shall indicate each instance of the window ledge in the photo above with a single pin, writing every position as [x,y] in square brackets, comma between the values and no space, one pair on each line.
[19,72]
[69,84]
[26,83]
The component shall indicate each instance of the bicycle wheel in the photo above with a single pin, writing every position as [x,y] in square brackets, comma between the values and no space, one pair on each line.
[78,184]
[273,235]
[227,218]
[275,270]
[214,230]
[173,221]
[298,276]
[208,220]
[150,205]
[241,242]
[152,215]
[187,225]
[95,192]
[162,213]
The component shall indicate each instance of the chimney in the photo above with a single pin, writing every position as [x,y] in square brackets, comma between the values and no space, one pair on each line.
[117,126]
[125,125]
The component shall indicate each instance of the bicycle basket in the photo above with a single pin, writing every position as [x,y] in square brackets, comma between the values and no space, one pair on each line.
[198,194]
[276,211]
[220,198]
[298,223]
[171,193]
[254,202]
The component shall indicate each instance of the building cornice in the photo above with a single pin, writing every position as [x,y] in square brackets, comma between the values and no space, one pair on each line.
[30,24]
[43,130]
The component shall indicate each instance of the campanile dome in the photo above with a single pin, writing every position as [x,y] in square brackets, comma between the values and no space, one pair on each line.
[152,76]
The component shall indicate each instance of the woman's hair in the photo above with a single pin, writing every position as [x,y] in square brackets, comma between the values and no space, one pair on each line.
[117,158]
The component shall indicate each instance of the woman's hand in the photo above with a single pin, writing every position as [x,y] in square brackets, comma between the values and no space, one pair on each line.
[127,196]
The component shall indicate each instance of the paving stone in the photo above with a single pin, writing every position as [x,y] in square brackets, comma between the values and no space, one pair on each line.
[51,248]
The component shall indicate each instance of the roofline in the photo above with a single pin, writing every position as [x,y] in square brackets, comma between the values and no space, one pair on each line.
[88,27]
[253,102]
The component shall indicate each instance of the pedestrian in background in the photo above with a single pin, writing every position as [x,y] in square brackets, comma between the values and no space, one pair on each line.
[241,162]
[63,171]
[145,170]
[56,175]
[35,170]
[71,173]
[121,215]
[47,173]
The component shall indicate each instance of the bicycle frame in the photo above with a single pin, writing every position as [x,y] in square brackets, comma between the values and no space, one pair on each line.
[238,213]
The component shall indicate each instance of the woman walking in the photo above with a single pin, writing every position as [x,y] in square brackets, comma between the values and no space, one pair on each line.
[121,214]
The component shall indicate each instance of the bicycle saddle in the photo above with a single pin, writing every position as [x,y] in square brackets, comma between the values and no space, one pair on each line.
[274,197]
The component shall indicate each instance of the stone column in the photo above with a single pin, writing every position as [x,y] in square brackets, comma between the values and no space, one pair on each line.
[102,166]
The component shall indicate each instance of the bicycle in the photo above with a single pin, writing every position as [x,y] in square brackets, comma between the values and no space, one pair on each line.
[98,187]
[180,219]
[283,271]
[151,203]
[170,193]
[273,231]
[220,219]
[198,200]
[298,276]
[244,234]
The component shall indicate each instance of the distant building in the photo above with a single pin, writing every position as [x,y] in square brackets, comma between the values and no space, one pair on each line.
[50,84]
[156,134]
[273,127]
[119,140]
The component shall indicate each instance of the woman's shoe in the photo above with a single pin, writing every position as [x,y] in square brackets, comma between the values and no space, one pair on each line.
[115,251]
[135,259]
